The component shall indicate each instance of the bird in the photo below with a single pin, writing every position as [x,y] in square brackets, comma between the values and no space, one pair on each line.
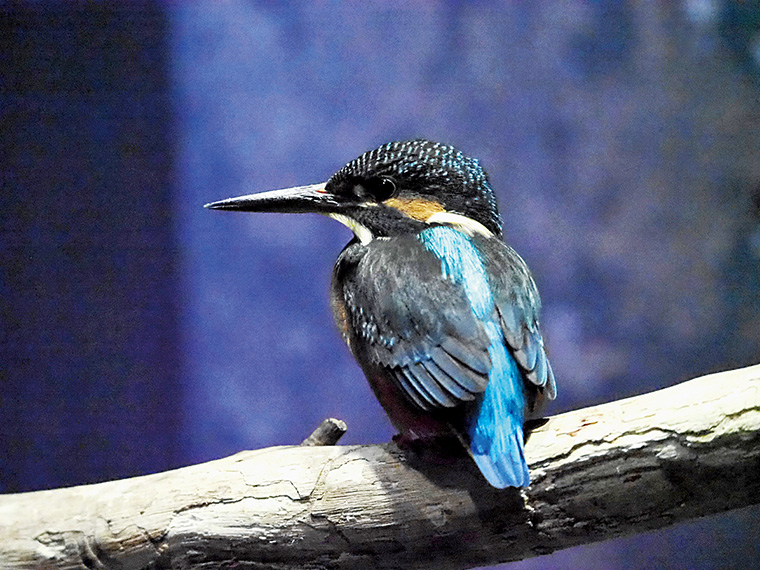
[439,312]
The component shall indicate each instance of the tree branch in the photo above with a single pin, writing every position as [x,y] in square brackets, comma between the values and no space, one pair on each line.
[600,472]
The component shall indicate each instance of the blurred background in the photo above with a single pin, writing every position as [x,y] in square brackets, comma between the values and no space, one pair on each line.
[140,332]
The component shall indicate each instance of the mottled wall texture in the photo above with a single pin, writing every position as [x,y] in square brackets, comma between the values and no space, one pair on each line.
[140,331]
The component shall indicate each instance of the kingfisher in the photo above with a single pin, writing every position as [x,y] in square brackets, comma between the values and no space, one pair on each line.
[441,315]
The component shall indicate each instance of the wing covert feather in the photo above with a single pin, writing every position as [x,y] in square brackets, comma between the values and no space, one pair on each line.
[415,323]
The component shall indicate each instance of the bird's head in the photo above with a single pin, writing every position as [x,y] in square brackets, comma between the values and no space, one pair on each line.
[400,187]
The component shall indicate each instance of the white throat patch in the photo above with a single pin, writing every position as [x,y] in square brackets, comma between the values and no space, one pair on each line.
[362,232]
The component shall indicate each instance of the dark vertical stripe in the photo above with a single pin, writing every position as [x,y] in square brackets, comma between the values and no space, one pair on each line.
[88,334]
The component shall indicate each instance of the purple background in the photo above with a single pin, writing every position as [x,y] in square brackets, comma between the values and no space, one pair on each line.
[141,332]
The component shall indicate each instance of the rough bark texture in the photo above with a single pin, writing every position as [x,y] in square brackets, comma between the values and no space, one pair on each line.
[599,472]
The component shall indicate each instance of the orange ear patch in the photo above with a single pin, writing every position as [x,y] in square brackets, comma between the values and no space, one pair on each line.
[418,209]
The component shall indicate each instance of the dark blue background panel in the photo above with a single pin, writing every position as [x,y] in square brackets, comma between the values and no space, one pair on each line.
[88,312]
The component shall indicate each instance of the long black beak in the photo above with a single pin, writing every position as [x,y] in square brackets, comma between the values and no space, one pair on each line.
[298,200]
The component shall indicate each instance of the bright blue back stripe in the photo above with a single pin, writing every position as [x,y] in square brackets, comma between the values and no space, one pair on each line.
[496,438]
[461,263]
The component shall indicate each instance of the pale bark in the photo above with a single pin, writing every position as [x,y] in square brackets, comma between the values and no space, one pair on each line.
[600,472]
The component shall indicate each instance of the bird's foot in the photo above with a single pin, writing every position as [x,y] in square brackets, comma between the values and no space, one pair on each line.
[441,449]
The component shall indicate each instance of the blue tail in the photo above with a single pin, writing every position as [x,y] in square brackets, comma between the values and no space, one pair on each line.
[496,428]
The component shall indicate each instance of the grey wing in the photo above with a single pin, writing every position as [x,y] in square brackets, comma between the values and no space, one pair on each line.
[416,324]
[518,304]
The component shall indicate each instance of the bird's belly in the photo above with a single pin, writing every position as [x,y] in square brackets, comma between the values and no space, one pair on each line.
[413,423]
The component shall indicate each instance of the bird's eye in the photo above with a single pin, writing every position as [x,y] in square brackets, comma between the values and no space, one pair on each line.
[375,189]
[382,188]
